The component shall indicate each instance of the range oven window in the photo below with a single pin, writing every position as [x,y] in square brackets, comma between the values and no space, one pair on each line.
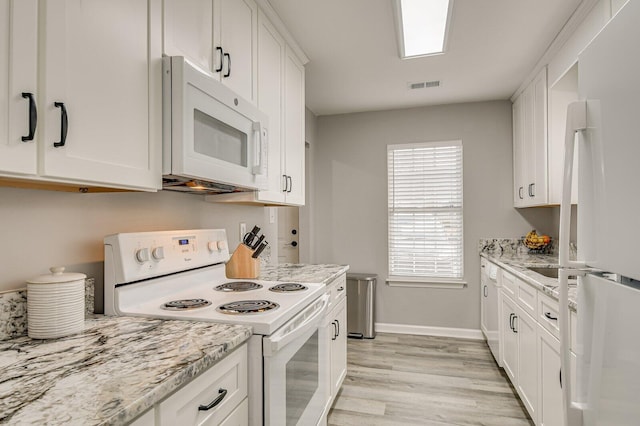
[302,379]
[216,139]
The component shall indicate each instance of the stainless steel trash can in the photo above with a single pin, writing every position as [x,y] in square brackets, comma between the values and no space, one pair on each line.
[361,308]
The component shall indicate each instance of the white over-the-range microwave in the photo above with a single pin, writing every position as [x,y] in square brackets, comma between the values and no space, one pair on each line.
[214,141]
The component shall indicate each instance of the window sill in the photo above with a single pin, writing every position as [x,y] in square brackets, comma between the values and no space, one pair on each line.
[425,282]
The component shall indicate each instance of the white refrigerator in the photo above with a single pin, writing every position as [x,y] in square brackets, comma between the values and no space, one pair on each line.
[607,123]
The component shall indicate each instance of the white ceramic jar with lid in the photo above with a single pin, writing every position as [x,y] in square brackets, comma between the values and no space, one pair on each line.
[55,304]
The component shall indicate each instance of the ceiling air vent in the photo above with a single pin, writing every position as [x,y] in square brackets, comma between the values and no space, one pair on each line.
[424,84]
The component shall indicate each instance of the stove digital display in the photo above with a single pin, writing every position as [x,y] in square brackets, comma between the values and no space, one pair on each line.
[183,242]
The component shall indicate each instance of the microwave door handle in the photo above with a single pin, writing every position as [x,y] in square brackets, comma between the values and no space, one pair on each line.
[259,148]
[273,344]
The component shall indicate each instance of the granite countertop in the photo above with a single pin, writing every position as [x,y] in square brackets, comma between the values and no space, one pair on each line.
[303,273]
[517,264]
[109,374]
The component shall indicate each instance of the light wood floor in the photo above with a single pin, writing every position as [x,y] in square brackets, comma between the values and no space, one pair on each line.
[399,379]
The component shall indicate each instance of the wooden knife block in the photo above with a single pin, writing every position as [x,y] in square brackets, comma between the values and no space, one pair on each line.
[241,264]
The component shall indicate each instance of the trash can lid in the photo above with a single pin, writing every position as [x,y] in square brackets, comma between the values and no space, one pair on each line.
[361,276]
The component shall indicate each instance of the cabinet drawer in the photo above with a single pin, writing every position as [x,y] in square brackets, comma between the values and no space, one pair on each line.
[230,374]
[548,314]
[338,289]
[509,284]
[527,297]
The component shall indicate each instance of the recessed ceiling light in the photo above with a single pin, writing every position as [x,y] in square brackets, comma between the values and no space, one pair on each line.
[422,26]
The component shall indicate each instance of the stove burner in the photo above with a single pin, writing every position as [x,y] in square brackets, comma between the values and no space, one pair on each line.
[185,304]
[288,287]
[247,307]
[238,286]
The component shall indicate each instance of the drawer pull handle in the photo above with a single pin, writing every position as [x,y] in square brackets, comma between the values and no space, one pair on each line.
[548,316]
[221,394]
[340,288]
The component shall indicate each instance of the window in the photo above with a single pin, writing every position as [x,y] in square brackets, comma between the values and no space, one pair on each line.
[425,212]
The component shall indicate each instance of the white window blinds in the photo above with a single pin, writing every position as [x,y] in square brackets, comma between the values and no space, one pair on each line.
[425,211]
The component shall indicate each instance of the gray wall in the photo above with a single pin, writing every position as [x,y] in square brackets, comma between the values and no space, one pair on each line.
[306,213]
[350,201]
[40,229]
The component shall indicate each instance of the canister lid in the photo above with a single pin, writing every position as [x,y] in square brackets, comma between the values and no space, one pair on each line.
[57,275]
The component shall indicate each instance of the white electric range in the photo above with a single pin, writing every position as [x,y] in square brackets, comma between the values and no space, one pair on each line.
[181,275]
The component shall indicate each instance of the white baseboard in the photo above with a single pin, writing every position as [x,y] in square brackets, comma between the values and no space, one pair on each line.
[461,333]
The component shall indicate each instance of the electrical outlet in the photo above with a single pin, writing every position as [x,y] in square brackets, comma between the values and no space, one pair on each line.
[243,230]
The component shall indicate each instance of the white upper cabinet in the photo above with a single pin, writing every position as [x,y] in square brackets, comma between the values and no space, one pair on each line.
[280,94]
[294,170]
[97,97]
[188,31]
[101,81]
[18,86]
[271,53]
[235,36]
[530,144]
[219,36]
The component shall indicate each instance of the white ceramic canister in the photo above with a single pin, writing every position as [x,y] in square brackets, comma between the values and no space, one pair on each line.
[55,304]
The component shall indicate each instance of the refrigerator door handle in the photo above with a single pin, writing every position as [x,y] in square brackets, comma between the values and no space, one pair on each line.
[576,122]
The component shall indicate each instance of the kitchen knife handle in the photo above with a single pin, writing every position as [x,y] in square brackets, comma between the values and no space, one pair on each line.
[33,116]
[64,124]
[221,394]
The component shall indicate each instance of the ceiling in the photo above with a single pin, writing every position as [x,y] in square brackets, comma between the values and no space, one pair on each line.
[354,63]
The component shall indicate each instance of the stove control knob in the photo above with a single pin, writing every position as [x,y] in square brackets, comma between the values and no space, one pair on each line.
[222,245]
[212,246]
[142,255]
[157,253]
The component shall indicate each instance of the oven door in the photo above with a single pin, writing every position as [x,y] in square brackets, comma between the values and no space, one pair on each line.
[215,135]
[296,369]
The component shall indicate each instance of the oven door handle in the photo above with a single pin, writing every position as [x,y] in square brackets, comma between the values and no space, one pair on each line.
[306,320]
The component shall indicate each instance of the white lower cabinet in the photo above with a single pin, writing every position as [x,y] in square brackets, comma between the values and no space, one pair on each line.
[336,330]
[520,354]
[550,380]
[509,338]
[529,340]
[527,384]
[216,397]
[339,347]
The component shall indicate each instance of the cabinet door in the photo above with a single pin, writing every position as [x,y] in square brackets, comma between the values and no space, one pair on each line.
[518,153]
[294,128]
[188,31]
[339,347]
[510,343]
[538,172]
[102,66]
[236,23]
[271,51]
[550,380]
[527,384]
[18,75]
